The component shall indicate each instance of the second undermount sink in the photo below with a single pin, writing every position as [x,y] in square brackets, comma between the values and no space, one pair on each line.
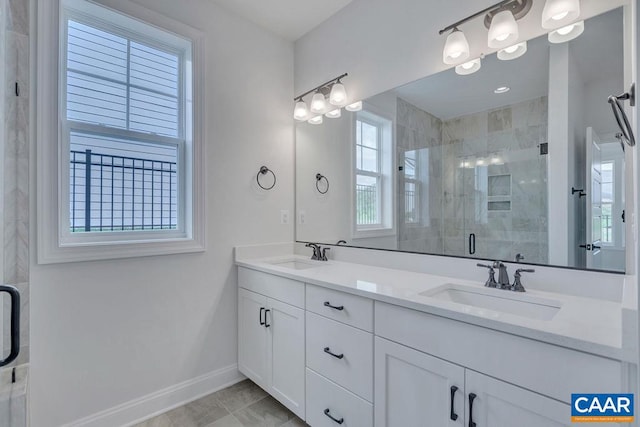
[496,300]
[296,264]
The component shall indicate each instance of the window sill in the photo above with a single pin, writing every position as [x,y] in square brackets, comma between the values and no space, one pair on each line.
[373,232]
[104,251]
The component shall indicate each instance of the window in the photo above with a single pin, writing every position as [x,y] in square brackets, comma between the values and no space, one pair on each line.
[129,151]
[372,173]
[608,201]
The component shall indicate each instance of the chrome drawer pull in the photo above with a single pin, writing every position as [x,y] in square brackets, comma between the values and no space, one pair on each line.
[337,356]
[335,420]
[335,307]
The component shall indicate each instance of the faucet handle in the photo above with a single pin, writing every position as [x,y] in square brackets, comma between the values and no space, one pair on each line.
[491,282]
[517,284]
[324,254]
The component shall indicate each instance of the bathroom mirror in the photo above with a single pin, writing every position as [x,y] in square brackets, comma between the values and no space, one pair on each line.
[518,161]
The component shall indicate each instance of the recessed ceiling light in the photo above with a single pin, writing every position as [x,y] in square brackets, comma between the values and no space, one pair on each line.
[502,89]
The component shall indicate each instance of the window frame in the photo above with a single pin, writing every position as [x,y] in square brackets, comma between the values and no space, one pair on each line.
[377,175]
[56,243]
[386,188]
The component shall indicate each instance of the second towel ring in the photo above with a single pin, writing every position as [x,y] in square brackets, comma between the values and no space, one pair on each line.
[320,177]
[263,171]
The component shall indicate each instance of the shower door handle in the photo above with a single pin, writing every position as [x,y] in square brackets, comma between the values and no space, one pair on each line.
[472,244]
[15,323]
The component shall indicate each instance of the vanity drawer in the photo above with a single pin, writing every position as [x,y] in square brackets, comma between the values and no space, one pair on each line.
[544,368]
[353,369]
[350,309]
[323,394]
[276,287]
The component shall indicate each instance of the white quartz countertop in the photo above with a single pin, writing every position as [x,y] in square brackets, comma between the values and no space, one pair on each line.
[585,324]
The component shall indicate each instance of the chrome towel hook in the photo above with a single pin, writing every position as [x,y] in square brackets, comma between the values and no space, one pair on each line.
[621,116]
[263,171]
[319,178]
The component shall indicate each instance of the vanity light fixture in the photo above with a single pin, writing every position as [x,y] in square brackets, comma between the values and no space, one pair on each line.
[500,19]
[317,120]
[566,33]
[318,103]
[502,89]
[301,112]
[356,106]
[503,31]
[559,13]
[334,114]
[338,95]
[469,67]
[333,89]
[512,52]
[456,48]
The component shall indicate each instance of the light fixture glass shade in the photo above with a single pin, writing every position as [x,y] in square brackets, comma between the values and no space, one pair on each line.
[469,67]
[318,103]
[456,48]
[338,95]
[566,33]
[512,52]
[300,111]
[558,13]
[334,114]
[317,120]
[356,106]
[503,31]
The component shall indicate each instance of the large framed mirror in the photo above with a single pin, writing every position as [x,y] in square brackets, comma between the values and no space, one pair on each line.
[519,161]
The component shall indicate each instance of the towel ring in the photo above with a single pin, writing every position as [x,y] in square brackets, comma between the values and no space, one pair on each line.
[320,177]
[263,171]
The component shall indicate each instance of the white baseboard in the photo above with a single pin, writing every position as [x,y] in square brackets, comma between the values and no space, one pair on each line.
[156,403]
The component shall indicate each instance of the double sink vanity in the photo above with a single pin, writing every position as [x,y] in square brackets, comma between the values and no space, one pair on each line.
[341,343]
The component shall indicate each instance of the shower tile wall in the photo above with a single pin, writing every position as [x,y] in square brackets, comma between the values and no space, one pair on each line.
[15,39]
[484,159]
[420,132]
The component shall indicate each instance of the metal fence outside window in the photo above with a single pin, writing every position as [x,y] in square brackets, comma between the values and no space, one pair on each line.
[118,193]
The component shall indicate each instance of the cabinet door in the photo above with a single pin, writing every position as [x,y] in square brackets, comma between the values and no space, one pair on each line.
[286,330]
[253,337]
[498,404]
[415,389]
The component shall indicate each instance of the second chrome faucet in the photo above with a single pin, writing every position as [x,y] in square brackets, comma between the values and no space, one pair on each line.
[503,277]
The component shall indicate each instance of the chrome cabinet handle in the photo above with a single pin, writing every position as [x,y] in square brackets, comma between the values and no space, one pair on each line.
[337,356]
[15,323]
[335,307]
[327,412]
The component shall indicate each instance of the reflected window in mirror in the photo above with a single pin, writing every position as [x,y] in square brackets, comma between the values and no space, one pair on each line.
[373,194]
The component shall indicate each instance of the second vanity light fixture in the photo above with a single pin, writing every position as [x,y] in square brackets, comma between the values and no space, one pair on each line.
[503,33]
[321,106]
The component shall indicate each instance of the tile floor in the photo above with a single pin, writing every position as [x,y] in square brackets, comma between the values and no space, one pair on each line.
[241,405]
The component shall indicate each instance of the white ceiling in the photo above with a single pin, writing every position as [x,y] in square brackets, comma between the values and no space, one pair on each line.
[598,52]
[289,18]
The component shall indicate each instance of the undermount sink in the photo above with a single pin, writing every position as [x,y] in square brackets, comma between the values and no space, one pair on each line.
[502,301]
[295,264]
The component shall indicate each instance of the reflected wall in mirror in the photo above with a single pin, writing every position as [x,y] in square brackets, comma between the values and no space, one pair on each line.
[481,165]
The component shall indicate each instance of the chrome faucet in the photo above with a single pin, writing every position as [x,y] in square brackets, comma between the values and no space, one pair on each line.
[319,253]
[491,282]
[503,275]
[316,251]
[517,285]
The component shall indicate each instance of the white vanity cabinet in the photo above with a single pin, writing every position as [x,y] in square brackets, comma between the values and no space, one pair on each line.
[415,389]
[271,336]
[335,358]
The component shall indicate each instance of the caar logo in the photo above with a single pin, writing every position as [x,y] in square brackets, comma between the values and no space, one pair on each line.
[615,408]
